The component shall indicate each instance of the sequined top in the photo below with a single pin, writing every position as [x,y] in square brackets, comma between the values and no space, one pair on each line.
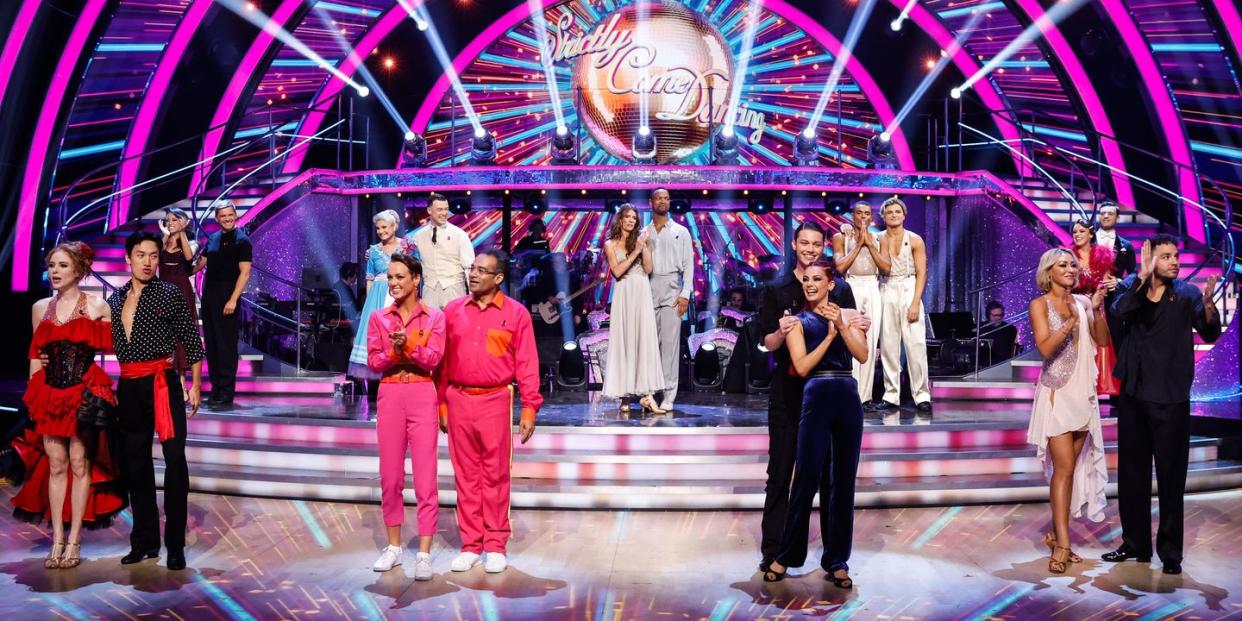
[1060,365]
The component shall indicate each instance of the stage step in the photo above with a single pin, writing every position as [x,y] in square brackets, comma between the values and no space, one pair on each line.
[248,365]
[309,384]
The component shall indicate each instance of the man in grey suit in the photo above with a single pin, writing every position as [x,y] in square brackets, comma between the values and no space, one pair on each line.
[672,283]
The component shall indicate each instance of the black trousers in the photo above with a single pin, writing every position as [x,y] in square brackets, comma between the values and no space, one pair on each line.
[829,443]
[136,403]
[220,334]
[1147,430]
[784,411]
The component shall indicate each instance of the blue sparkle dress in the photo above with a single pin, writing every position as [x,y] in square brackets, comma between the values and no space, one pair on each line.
[376,262]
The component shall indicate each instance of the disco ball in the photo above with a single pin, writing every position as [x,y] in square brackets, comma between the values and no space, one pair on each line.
[682,55]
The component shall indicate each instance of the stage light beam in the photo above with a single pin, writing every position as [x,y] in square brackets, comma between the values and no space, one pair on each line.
[1047,21]
[545,58]
[367,76]
[422,20]
[901,19]
[838,64]
[743,63]
[936,69]
[265,23]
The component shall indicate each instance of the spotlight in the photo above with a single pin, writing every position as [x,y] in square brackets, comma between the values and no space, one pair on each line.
[759,205]
[643,146]
[535,203]
[415,150]
[571,368]
[564,146]
[835,207]
[707,370]
[880,152]
[679,204]
[806,148]
[726,146]
[459,205]
[483,147]
[363,91]
[956,93]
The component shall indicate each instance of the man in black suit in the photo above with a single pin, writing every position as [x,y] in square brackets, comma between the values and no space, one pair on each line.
[1106,235]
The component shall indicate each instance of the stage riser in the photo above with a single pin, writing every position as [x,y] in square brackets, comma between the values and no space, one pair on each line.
[598,468]
[621,440]
[661,498]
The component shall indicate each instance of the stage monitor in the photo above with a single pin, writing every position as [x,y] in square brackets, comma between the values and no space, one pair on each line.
[315,278]
[952,325]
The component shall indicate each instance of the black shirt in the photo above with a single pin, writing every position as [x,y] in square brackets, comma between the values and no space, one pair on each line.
[160,321]
[784,293]
[1156,357]
[225,251]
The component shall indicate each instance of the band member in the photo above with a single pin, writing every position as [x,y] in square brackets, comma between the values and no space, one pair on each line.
[227,260]
[376,259]
[902,320]
[1002,334]
[405,343]
[445,252]
[149,319]
[1156,366]
[1106,235]
[672,283]
[490,344]
[1097,268]
[821,346]
[860,257]
[633,367]
[68,468]
[1065,418]
[782,299]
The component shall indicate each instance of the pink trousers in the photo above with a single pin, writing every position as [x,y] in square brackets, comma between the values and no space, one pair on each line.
[407,420]
[481,447]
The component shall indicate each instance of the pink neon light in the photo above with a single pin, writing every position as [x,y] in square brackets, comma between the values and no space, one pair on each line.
[799,19]
[152,102]
[13,45]
[1170,120]
[237,85]
[272,196]
[41,142]
[1081,84]
[1228,11]
[369,41]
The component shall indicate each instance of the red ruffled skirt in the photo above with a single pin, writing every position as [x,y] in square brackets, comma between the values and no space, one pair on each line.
[55,410]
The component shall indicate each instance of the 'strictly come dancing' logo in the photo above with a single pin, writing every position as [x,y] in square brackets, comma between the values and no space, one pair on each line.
[664,52]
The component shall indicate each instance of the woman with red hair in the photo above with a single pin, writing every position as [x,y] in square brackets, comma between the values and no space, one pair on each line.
[1097,263]
[70,398]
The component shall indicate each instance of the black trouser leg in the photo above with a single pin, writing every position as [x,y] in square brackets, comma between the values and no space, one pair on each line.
[782,450]
[1134,455]
[221,332]
[1170,433]
[837,505]
[135,400]
[176,473]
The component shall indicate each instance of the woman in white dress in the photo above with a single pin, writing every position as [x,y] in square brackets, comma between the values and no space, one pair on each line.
[633,367]
[1065,419]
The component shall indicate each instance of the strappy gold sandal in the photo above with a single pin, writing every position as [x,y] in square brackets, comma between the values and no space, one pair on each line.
[53,558]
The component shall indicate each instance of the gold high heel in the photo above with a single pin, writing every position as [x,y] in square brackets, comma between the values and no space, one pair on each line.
[1057,566]
[53,558]
[1050,540]
[68,560]
[649,404]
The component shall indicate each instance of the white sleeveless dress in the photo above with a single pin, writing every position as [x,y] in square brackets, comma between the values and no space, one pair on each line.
[633,365]
[1065,401]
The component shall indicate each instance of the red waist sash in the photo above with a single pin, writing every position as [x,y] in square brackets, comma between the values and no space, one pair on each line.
[163,412]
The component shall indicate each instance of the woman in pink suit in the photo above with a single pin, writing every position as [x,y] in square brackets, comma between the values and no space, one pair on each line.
[405,342]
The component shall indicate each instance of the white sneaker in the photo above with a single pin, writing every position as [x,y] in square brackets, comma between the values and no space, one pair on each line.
[422,567]
[495,563]
[464,561]
[389,558]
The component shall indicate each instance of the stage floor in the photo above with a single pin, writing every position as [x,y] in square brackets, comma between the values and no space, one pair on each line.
[253,558]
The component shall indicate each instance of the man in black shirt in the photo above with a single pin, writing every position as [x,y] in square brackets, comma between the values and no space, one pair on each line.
[228,259]
[149,319]
[783,299]
[1156,366]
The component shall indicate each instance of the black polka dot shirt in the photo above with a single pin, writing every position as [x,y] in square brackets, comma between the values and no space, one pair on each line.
[161,320]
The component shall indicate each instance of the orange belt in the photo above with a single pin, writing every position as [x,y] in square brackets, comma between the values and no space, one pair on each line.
[163,411]
[405,375]
[475,391]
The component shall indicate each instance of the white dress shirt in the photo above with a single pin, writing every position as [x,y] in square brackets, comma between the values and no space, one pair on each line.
[1108,239]
[673,253]
[447,261]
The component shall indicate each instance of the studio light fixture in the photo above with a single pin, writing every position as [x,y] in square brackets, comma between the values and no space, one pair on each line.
[564,146]
[415,147]
[806,148]
[483,147]
[643,146]
[726,146]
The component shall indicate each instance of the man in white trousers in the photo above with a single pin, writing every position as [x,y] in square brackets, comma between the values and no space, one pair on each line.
[861,258]
[902,320]
[672,281]
[446,253]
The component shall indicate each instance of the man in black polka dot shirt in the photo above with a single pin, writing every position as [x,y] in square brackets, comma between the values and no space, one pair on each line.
[149,319]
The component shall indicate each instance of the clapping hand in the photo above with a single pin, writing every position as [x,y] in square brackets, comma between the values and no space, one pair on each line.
[398,340]
[787,324]
[1097,299]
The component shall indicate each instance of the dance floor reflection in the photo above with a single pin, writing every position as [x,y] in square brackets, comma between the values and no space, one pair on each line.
[253,558]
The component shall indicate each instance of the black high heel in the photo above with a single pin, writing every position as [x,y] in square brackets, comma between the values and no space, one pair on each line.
[771,575]
[840,583]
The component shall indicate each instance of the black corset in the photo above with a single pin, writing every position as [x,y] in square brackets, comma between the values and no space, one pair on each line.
[67,363]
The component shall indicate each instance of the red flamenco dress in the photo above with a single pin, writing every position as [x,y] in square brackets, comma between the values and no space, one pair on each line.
[1092,274]
[54,397]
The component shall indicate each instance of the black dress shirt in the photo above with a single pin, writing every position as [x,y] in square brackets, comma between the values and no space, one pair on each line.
[1156,357]
[161,320]
[784,293]
[225,252]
